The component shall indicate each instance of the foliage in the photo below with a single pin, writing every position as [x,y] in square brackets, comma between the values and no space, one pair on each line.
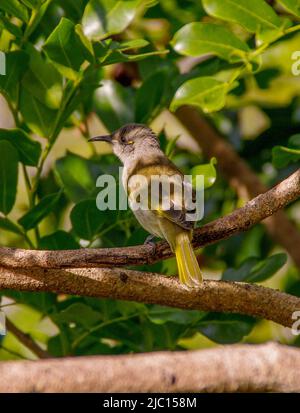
[118,62]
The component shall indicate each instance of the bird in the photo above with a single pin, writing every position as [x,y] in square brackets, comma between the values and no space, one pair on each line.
[138,149]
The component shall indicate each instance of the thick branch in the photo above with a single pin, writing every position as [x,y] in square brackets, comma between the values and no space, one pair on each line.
[240,176]
[238,368]
[241,219]
[219,296]
[26,340]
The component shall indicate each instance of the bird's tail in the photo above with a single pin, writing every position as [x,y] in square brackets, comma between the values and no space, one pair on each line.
[188,268]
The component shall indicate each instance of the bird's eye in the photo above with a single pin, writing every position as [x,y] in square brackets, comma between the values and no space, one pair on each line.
[123,139]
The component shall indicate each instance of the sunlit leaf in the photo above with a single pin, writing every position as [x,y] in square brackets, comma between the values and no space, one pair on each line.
[208,171]
[65,48]
[254,15]
[293,6]
[197,39]
[106,17]
[204,92]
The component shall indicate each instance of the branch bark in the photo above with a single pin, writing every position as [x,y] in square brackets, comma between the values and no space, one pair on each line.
[264,205]
[240,176]
[218,296]
[26,340]
[238,368]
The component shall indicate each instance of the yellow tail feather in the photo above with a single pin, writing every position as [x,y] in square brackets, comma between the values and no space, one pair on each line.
[188,268]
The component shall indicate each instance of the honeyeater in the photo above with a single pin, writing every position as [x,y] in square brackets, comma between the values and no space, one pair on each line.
[139,150]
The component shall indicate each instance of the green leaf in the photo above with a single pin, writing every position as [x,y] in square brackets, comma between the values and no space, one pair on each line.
[293,6]
[8,176]
[88,47]
[204,92]
[198,39]
[170,147]
[10,27]
[86,219]
[39,211]
[155,93]
[226,328]
[208,171]
[161,315]
[7,225]
[29,150]
[65,49]
[38,117]
[16,64]
[103,18]
[42,80]
[73,9]
[113,104]
[59,240]
[282,156]
[109,52]
[132,44]
[15,8]
[254,15]
[78,313]
[255,270]
[33,4]
[75,176]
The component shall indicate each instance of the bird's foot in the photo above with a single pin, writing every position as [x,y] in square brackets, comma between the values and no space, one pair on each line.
[150,241]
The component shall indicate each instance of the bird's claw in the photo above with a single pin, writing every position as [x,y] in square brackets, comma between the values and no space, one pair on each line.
[150,241]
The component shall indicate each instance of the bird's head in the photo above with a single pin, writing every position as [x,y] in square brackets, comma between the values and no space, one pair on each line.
[131,141]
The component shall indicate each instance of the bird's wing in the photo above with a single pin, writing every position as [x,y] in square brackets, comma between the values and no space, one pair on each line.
[178,211]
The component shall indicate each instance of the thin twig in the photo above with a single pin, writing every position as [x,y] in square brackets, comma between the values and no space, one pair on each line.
[26,340]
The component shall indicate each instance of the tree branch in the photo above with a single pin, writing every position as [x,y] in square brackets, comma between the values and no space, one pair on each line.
[26,340]
[240,176]
[241,219]
[218,296]
[234,368]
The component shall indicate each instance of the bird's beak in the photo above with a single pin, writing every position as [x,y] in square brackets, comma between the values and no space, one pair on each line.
[105,138]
